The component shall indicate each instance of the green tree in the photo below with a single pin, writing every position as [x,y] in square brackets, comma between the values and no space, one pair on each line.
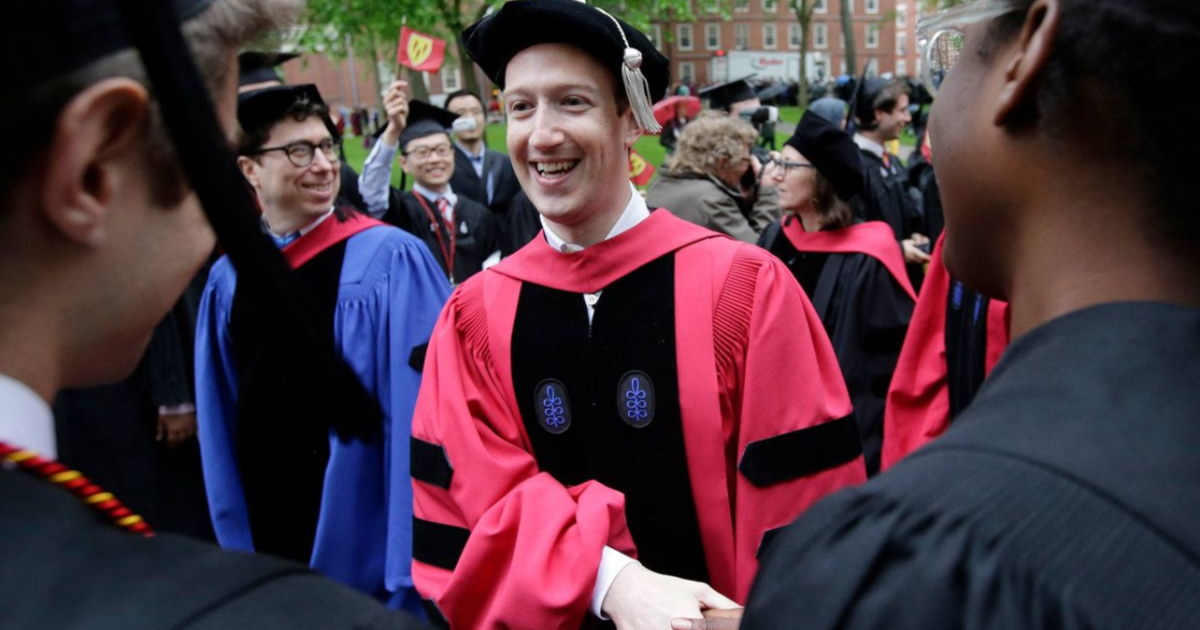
[848,33]
[804,14]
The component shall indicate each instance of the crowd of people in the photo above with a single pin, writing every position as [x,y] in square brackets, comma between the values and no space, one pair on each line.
[813,387]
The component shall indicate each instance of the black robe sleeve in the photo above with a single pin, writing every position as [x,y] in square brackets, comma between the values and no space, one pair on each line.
[866,562]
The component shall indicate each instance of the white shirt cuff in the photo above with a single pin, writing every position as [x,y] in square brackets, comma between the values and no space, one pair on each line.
[176,410]
[611,563]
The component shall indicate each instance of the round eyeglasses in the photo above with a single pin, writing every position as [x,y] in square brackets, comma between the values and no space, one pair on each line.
[302,152]
[941,35]
[421,154]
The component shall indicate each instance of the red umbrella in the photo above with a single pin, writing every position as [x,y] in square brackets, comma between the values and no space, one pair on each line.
[664,110]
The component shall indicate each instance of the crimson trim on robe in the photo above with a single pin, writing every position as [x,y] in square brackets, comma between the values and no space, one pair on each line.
[918,403]
[873,238]
[507,545]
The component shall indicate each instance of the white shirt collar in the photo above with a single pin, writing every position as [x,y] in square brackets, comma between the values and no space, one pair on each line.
[473,156]
[635,212]
[429,194]
[304,230]
[25,419]
[867,144]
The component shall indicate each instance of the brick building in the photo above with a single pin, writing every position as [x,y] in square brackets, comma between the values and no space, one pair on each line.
[763,36]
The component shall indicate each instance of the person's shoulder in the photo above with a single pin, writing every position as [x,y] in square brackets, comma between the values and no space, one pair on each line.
[50,540]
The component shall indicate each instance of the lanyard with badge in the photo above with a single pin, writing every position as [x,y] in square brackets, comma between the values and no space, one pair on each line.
[448,254]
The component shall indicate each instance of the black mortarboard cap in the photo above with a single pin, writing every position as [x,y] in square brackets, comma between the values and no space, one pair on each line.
[723,95]
[259,67]
[263,108]
[46,39]
[493,41]
[425,120]
[832,151]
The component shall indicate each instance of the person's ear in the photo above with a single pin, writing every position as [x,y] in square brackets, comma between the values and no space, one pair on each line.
[249,168]
[97,148]
[1025,63]
[632,130]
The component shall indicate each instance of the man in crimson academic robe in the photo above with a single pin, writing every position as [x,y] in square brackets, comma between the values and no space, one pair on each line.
[284,478]
[615,418]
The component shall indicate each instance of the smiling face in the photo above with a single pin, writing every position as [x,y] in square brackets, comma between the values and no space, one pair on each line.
[892,122]
[568,144]
[285,189]
[429,160]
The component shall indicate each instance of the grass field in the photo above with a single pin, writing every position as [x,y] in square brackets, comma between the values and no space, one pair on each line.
[647,146]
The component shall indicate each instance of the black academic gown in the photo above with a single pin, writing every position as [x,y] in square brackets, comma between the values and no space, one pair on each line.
[65,568]
[866,313]
[497,166]
[348,194]
[476,232]
[1065,497]
[521,223]
[108,431]
[886,198]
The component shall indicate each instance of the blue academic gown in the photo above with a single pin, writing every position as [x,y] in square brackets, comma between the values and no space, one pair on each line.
[389,297]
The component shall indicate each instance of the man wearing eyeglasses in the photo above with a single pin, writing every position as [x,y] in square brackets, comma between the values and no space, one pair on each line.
[1066,495]
[463,235]
[280,481]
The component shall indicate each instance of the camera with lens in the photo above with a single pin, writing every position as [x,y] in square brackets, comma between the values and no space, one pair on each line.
[760,116]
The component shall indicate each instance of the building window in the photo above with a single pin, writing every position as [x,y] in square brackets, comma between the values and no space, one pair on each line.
[683,36]
[841,66]
[687,72]
[851,5]
[821,70]
[712,36]
[901,68]
[820,35]
[770,33]
[450,79]
[872,6]
[794,35]
[769,6]
[741,36]
[901,43]
[712,6]
[741,6]
[656,36]
[821,6]
[901,16]
[872,36]
[872,67]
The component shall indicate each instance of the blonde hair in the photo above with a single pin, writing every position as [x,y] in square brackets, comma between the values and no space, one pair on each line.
[710,143]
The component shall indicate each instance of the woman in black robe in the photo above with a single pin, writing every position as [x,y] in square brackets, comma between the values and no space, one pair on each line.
[852,271]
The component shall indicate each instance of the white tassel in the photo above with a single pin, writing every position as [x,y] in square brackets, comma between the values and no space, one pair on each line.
[637,88]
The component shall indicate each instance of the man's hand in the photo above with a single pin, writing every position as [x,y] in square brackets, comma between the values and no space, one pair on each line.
[640,599]
[176,428]
[713,620]
[912,249]
[395,103]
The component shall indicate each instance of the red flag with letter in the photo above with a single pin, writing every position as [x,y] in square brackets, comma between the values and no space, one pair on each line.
[419,51]
[640,171]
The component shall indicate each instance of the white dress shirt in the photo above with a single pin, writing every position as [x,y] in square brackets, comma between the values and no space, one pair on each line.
[635,212]
[25,419]
[611,560]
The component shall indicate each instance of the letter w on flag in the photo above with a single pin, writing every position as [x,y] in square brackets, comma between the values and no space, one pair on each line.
[419,51]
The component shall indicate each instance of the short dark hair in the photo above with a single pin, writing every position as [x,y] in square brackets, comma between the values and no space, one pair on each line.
[885,99]
[460,93]
[253,139]
[1122,57]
